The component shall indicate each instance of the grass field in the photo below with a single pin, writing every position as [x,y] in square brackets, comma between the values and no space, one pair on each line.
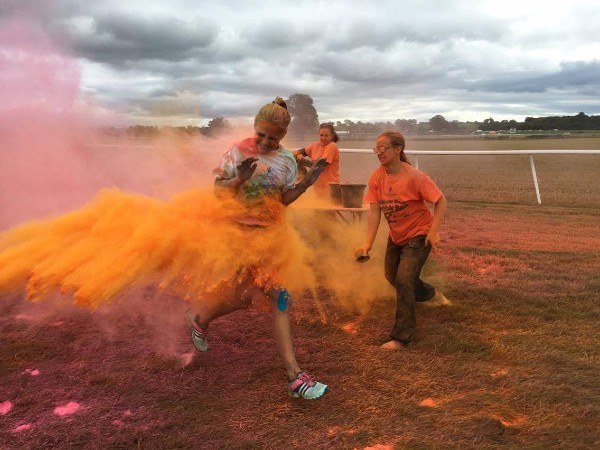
[513,363]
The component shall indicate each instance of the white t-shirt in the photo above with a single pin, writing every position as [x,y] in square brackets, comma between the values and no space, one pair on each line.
[275,173]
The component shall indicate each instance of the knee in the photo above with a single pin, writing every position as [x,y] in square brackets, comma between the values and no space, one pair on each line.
[284,300]
[391,274]
[403,282]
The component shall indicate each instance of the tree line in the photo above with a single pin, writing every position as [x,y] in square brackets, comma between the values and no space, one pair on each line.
[305,124]
[439,125]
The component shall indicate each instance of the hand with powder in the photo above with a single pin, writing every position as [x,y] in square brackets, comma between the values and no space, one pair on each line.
[246,168]
[316,170]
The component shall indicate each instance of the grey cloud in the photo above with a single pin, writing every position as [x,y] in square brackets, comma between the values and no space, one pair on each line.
[286,35]
[412,59]
[572,75]
[118,39]
[430,29]
[392,68]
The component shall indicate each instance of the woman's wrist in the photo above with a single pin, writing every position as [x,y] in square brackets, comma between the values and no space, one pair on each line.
[302,187]
[434,230]
[229,183]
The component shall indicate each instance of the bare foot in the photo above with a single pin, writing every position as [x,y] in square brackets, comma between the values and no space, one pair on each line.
[391,345]
[438,300]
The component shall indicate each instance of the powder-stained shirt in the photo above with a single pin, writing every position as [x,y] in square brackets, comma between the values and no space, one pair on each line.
[275,172]
[402,198]
[331,174]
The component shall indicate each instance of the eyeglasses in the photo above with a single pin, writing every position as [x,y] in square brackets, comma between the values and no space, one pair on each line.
[382,149]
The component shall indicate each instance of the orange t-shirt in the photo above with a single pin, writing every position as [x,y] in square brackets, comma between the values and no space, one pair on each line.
[402,198]
[331,174]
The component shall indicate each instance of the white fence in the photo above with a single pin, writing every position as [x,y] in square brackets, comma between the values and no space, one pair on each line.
[529,153]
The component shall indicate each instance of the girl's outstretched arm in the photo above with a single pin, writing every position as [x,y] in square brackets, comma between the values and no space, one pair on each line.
[309,179]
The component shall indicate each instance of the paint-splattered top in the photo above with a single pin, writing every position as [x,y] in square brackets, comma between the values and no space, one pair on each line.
[275,173]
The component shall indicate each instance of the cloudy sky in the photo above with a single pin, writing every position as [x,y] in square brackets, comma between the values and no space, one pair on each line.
[178,62]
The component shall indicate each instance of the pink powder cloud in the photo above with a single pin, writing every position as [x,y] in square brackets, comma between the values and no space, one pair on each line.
[53,157]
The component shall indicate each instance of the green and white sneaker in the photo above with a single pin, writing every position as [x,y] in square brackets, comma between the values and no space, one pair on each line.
[307,387]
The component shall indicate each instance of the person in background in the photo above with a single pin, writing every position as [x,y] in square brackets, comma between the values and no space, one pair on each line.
[262,174]
[325,148]
[401,193]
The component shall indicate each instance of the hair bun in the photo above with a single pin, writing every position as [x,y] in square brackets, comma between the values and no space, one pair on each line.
[275,112]
[279,101]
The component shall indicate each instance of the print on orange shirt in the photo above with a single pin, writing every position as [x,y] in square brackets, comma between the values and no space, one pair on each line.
[389,207]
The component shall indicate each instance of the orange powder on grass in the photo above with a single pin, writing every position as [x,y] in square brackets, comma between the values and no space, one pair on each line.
[191,244]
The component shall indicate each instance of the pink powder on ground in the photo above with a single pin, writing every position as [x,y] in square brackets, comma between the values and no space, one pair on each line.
[5,407]
[25,426]
[23,317]
[68,408]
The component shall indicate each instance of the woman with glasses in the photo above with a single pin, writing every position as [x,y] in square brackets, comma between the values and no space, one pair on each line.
[325,148]
[401,192]
[262,175]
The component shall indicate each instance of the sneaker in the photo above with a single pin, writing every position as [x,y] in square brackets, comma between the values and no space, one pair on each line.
[198,333]
[307,387]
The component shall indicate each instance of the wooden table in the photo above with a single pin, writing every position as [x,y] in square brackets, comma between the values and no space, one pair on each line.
[349,216]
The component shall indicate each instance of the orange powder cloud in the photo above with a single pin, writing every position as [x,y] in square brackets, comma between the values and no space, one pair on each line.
[331,242]
[191,245]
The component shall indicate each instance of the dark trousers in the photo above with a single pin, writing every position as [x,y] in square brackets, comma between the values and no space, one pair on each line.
[403,264]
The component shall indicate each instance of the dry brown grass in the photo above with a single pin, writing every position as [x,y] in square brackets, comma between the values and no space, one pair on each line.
[513,364]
